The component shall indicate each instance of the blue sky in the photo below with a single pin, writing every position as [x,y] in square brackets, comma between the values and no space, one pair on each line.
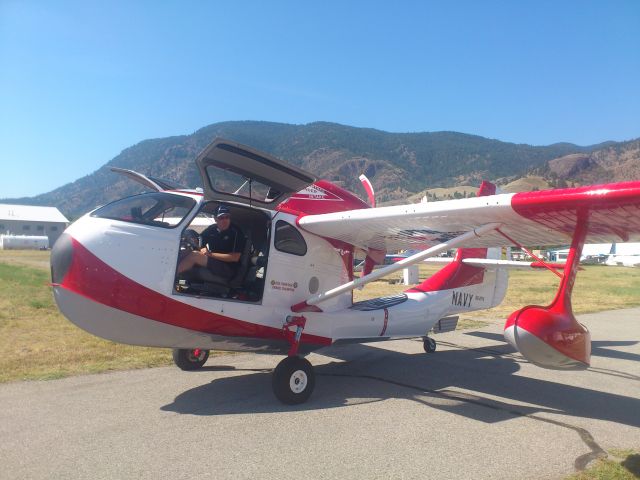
[82,80]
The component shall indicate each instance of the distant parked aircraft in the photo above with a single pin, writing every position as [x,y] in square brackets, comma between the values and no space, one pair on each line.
[626,254]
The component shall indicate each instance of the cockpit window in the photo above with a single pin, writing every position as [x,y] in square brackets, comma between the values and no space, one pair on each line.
[289,240]
[230,183]
[156,209]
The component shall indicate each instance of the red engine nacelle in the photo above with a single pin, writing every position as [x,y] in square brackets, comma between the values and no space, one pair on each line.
[549,337]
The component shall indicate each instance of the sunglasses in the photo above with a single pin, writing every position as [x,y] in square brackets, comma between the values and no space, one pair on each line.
[223,217]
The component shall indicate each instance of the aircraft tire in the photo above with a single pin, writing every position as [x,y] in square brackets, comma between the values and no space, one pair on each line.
[293,380]
[185,359]
[429,345]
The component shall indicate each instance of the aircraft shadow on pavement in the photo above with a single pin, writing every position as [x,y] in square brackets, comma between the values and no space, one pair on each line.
[599,348]
[442,380]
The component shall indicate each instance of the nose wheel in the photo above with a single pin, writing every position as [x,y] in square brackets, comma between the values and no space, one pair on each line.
[429,344]
[293,380]
[186,359]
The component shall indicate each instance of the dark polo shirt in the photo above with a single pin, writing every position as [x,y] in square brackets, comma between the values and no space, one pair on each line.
[230,241]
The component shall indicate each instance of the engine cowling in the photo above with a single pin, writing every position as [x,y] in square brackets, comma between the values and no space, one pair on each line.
[549,337]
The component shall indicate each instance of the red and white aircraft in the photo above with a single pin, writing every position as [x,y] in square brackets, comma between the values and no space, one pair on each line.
[114,269]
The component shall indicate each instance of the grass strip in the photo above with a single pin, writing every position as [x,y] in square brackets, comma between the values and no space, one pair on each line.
[37,342]
[620,465]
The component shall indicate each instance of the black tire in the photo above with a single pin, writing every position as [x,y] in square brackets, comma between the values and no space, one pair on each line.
[429,345]
[293,380]
[186,359]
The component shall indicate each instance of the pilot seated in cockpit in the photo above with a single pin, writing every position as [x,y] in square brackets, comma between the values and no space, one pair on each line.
[222,246]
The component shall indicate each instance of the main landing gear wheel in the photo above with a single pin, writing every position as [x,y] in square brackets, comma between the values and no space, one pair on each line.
[293,380]
[429,344]
[187,359]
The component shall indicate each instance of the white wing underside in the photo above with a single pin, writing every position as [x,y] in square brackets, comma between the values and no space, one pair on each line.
[423,225]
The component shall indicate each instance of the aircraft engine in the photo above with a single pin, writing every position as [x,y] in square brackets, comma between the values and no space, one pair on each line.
[549,337]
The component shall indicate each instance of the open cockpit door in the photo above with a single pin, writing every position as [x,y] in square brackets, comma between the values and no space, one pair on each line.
[157,184]
[237,173]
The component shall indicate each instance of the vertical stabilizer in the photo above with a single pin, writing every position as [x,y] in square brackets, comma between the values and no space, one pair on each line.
[458,274]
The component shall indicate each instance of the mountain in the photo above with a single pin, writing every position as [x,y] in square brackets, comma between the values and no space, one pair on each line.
[616,162]
[398,164]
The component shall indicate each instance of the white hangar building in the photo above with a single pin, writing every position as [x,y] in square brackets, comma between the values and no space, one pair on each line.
[27,220]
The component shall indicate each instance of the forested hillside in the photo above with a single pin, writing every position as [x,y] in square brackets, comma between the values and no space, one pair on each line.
[398,164]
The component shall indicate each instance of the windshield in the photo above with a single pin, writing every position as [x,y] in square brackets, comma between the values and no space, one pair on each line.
[156,209]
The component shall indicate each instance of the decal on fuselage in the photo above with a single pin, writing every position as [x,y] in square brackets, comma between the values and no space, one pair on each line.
[461,299]
[284,286]
[313,192]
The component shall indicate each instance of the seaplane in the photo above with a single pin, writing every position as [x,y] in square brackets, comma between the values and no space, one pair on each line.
[115,270]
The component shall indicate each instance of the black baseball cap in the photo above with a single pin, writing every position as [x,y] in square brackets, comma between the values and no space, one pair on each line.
[222,210]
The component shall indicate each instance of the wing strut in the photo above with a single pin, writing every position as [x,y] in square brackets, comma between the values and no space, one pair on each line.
[544,264]
[309,305]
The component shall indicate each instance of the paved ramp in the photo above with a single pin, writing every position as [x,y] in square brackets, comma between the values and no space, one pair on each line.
[474,409]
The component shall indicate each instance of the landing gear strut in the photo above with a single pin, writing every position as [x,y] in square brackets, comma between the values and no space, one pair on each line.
[293,379]
[187,359]
[429,344]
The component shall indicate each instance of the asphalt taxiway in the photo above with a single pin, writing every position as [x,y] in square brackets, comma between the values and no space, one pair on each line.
[473,409]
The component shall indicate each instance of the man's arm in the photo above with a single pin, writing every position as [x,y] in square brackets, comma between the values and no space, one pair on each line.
[225,257]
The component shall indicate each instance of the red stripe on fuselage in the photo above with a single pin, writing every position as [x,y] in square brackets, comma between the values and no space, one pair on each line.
[94,279]
[386,322]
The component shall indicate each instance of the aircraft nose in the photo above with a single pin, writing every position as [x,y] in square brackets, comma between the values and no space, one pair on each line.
[61,256]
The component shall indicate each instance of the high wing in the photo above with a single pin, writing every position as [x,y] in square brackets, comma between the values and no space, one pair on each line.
[529,218]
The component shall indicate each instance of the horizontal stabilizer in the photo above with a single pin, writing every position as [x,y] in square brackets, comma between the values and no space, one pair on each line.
[503,264]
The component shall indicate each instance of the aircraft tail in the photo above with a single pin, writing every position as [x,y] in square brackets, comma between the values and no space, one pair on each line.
[486,189]
[490,286]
